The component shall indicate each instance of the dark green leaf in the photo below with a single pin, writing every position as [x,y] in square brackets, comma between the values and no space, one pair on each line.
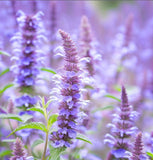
[56,152]
[4,72]
[113,97]
[83,138]
[32,125]
[48,70]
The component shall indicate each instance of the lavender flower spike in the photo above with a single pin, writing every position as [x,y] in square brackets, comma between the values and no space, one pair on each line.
[86,40]
[122,127]
[27,54]
[18,150]
[138,149]
[70,85]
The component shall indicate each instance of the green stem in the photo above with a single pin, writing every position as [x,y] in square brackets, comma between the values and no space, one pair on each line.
[11,128]
[46,141]
[45,149]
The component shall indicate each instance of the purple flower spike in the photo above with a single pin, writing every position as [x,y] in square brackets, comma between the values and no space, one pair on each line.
[70,96]
[138,149]
[18,150]
[27,53]
[122,127]
[86,40]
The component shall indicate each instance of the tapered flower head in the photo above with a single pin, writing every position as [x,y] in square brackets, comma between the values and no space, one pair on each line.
[27,55]
[87,46]
[138,152]
[18,150]
[122,127]
[70,95]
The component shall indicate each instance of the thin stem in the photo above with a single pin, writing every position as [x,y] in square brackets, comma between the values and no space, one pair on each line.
[11,127]
[45,149]
[46,141]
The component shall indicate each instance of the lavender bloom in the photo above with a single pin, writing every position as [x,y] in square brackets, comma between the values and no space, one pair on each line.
[19,152]
[25,44]
[86,45]
[71,96]
[138,153]
[10,108]
[121,128]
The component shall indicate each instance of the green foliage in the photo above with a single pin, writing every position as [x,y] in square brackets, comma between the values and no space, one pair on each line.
[37,109]
[112,97]
[8,140]
[52,119]
[4,72]
[83,138]
[23,118]
[103,108]
[32,125]
[4,53]
[5,88]
[56,152]
[37,142]
[150,154]
[11,116]
[5,153]
[48,70]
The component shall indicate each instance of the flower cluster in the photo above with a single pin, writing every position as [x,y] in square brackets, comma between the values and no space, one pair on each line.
[122,128]
[87,48]
[138,149]
[19,152]
[25,44]
[71,94]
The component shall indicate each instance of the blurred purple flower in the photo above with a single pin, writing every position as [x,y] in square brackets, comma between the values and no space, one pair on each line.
[138,153]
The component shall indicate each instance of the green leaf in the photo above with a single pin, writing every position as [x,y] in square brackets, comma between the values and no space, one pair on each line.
[5,88]
[26,117]
[48,70]
[4,72]
[83,138]
[4,53]
[47,104]
[8,140]
[37,142]
[52,119]
[5,153]
[113,97]
[11,116]
[103,108]
[32,125]
[36,109]
[56,152]
[150,154]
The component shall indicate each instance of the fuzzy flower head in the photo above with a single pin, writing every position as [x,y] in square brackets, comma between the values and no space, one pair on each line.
[70,95]
[27,55]
[122,128]
[18,150]
[138,149]
[87,46]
